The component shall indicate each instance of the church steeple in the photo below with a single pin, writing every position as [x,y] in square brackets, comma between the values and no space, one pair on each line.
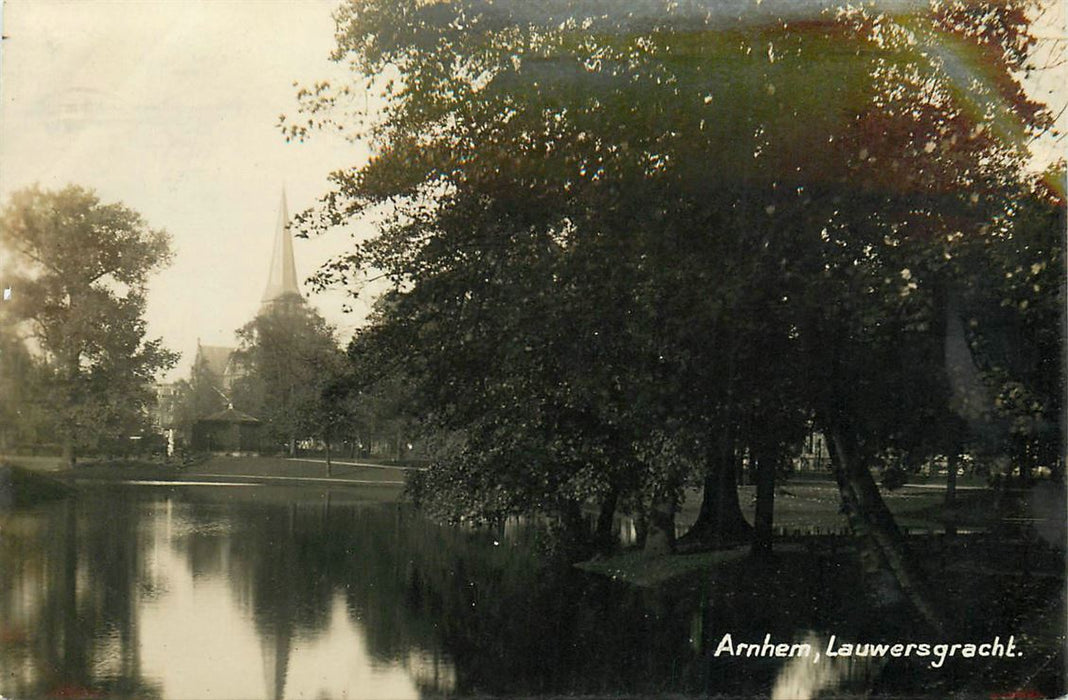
[282,285]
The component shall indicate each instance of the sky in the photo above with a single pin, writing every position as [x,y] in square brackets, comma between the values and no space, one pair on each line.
[171,107]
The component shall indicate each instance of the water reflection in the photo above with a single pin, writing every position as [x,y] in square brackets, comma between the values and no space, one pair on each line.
[215,593]
[68,622]
[202,593]
[802,679]
[132,595]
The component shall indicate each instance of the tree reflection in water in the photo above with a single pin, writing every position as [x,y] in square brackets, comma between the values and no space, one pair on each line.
[218,593]
[68,627]
[124,592]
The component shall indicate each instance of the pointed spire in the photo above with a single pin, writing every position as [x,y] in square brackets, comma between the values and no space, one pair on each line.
[282,276]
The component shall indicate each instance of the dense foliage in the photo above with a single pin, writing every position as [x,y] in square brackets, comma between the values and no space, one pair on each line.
[287,357]
[78,281]
[629,245]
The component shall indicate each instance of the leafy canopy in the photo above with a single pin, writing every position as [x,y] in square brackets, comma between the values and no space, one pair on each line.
[79,279]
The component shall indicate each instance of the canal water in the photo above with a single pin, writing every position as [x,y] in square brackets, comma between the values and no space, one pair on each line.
[215,592]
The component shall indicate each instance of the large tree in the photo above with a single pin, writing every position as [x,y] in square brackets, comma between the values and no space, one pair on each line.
[287,356]
[79,276]
[683,194]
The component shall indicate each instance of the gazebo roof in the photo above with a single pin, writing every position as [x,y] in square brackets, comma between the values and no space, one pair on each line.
[230,415]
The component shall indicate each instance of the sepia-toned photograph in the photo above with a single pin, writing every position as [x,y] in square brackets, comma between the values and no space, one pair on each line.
[390,349]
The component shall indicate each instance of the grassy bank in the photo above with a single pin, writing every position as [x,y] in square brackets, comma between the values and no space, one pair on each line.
[273,476]
[999,533]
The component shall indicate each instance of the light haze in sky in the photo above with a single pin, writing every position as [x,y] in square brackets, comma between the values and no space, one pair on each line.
[171,107]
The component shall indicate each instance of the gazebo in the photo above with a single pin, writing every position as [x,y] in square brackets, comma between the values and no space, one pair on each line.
[228,430]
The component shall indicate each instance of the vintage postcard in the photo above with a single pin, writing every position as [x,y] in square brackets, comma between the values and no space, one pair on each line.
[532,348]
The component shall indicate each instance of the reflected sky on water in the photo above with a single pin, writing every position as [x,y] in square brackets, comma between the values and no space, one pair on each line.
[144,594]
[232,593]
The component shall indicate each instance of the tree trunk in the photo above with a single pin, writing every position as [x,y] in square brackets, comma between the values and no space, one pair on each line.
[575,532]
[950,504]
[604,535]
[765,502]
[884,554]
[1025,465]
[70,456]
[720,521]
[641,528]
[660,538]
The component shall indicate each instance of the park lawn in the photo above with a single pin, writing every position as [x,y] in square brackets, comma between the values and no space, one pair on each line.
[310,467]
[813,507]
[226,478]
[807,517]
[217,466]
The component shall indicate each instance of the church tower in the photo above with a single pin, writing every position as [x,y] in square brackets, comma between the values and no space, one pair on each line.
[283,290]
